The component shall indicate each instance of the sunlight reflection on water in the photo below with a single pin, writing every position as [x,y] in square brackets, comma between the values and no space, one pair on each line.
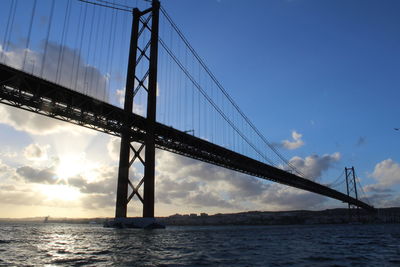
[91,245]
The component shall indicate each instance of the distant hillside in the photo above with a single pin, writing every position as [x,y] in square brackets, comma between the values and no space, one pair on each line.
[330,216]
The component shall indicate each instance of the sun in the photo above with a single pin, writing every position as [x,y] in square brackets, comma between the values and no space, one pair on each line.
[74,165]
[67,167]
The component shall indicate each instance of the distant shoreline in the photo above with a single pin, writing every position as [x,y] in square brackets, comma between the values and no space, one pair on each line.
[298,217]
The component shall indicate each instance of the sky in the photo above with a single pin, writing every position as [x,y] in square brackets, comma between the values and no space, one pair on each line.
[319,79]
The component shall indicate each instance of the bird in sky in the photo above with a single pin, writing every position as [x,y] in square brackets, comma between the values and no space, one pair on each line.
[397,129]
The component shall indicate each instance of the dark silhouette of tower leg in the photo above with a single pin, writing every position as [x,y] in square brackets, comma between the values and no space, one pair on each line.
[123,170]
[351,186]
[149,168]
[148,82]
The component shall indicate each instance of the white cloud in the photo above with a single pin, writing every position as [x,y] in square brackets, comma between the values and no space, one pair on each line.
[377,188]
[387,174]
[120,96]
[8,153]
[296,143]
[313,166]
[182,185]
[36,152]
[104,184]
[382,193]
[42,185]
[6,174]
[194,184]
[36,124]
[136,108]
[186,182]
[18,197]
[113,147]
[384,200]
[209,199]
[72,73]
[282,197]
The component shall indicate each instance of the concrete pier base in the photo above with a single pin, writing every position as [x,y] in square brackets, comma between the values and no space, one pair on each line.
[141,223]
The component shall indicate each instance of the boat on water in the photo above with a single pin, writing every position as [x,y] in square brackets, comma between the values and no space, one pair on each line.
[46,219]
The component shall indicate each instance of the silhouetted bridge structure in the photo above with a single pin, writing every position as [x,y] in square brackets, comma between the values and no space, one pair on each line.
[32,93]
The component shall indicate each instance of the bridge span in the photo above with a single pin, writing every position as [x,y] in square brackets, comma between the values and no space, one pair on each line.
[25,91]
[142,134]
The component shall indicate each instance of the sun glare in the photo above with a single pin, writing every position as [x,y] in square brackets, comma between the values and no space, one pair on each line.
[71,165]
[60,192]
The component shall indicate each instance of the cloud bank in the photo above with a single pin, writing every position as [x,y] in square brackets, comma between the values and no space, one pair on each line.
[72,72]
[313,166]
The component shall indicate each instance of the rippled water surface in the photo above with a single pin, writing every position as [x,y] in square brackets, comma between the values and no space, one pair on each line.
[92,245]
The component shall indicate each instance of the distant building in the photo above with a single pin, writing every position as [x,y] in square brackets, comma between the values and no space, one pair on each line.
[203,214]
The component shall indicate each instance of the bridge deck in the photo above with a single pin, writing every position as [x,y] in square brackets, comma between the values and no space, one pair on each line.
[25,91]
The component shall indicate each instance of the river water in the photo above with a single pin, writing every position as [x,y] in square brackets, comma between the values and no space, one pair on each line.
[92,245]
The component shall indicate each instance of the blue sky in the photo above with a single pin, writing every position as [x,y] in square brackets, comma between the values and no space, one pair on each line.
[328,69]
[322,75]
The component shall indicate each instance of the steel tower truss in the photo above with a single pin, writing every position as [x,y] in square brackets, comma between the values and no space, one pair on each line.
[351,186]
[141,79]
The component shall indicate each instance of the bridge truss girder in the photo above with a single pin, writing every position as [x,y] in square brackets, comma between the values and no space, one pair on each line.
[22,90]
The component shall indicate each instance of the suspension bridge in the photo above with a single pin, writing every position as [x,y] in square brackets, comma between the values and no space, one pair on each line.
[170,99]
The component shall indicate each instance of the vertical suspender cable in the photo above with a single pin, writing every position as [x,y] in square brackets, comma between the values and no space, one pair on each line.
[164,89]
[80,49]
[179,95]
[108,56]
[75,46]
[103,41]
[28,40]
[89,48]
[63,37]
[112,57]
[10,23]
[163,95]
[185,109]
[47,41]
[170,85]
[122,43]
[193,91]
[94,89]
[198,103]
[257,132]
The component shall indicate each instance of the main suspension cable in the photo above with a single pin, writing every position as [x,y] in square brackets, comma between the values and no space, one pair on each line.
[222,89]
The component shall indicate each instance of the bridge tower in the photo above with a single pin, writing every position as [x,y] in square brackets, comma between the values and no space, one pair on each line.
[351,186]
[146,20]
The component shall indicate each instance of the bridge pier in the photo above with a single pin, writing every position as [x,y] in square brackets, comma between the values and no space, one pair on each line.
[133,84]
